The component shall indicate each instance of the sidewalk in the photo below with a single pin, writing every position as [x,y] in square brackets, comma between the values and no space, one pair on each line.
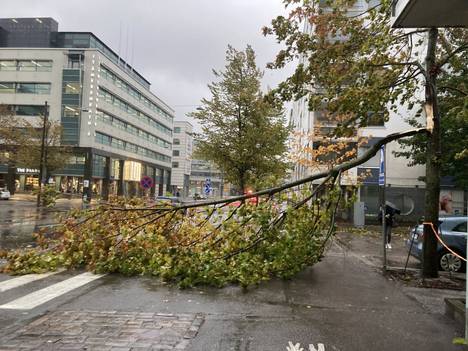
[341,302]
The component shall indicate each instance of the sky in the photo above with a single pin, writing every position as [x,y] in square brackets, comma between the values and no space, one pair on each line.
[175,44]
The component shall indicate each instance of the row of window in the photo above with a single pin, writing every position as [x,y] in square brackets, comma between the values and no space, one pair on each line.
[110,76]
[124,145]
[24,88]
[124,106]
[27,110]
[26,65]
[120,124]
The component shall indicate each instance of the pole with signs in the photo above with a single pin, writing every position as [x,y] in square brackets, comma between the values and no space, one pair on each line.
[382,204]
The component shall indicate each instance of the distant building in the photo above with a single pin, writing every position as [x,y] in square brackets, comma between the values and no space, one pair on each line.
[119,129]
[181,158]
[204,172]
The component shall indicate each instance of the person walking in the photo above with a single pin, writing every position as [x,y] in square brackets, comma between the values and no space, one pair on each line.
[390,212]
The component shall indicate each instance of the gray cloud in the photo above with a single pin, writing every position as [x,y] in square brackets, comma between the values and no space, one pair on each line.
[176,43]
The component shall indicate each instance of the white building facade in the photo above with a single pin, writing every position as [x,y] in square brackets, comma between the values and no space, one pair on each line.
[182,158]
[119,130]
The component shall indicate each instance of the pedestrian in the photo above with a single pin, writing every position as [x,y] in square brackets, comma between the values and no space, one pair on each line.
[390,213]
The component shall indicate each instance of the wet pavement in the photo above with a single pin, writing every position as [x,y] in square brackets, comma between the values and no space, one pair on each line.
[20,218]
[343,302]
[340,302]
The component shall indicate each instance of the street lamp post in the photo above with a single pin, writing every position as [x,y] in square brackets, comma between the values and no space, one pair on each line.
[43,161]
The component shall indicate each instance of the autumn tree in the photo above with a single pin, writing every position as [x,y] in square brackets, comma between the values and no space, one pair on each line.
[351,59]
[242,133]
[21,139]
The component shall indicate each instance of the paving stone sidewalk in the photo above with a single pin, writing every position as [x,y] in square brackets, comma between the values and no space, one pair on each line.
[97,330]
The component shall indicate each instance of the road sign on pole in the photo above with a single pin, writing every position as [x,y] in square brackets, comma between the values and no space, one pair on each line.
[382,166]
[146,182]
[207,188]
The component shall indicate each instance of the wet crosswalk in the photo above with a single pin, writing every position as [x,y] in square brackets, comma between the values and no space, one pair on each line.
[33,290]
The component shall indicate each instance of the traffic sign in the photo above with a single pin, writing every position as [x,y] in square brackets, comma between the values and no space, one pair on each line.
[146,182]
[382,166]
[207,188]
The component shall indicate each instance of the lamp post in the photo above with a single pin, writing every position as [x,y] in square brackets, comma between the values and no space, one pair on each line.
[43,161]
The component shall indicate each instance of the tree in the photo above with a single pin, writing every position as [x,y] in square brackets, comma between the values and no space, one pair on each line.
[453,103]
[355,62]
[21,139]
[243,133]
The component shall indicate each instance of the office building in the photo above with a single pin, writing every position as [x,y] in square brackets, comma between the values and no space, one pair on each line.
[119,130]
[182,145]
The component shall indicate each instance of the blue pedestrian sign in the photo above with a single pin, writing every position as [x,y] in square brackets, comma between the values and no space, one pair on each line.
[382,166]
[207,188]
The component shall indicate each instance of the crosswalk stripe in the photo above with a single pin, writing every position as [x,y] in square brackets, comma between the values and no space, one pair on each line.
[39,297]
[23,280]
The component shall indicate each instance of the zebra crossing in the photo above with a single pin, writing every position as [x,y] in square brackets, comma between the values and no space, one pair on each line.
[38,289]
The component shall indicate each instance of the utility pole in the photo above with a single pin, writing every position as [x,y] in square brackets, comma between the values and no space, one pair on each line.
[43,161]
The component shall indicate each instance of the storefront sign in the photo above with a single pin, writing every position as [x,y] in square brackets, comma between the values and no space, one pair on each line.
[27,170]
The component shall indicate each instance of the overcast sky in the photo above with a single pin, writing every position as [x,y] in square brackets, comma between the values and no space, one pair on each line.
[176,42]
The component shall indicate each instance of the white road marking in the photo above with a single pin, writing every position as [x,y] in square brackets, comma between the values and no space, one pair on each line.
[23,280]
[39,297]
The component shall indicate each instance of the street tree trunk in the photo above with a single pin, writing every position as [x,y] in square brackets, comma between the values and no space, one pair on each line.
[430,259]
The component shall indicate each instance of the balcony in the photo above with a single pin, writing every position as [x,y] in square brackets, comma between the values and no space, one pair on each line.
[429,13]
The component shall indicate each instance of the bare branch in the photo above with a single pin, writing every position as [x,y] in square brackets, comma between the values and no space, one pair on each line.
[454,89]
[447,58]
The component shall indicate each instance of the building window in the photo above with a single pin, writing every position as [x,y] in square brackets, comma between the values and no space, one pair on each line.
[176,129]
[26,65]
[71,88]
[375,119]
[28,110]
[8,65]
[7,87]
[70,111]
[25,88]
[175,153]
[175,164]
[176,142]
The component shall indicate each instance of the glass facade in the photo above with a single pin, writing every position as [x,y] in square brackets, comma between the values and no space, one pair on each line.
[130,147]
[25,88]
[26,65]
[71,106]
[134,112]
[27,110]
[122,125]
[117,81]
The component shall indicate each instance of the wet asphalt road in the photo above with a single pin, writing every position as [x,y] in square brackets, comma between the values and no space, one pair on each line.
[20,218]
[341,302]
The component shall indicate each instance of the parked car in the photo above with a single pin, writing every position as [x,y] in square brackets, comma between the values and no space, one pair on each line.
[173,200]
[453,232]
[4,194]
